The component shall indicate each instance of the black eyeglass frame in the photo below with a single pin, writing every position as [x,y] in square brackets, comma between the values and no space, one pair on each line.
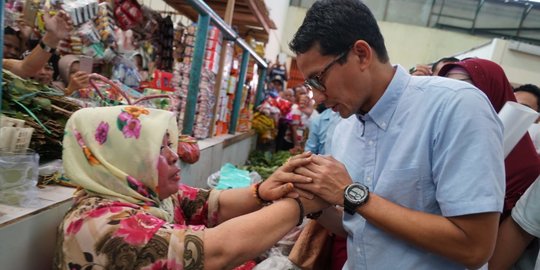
[314,82]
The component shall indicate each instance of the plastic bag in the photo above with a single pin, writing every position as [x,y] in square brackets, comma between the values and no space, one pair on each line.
[213,179]
[18,178]
[188,149]
[232,177]
[276,261]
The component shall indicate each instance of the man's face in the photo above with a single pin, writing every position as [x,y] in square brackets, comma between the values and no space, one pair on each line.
[527,99]
[347,85]
[12,47]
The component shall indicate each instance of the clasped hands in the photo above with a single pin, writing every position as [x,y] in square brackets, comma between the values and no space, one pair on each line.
[318,180]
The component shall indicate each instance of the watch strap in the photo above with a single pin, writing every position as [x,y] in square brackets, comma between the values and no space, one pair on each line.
[349,206]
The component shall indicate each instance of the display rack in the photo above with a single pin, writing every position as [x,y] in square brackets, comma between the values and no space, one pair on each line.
[207,15]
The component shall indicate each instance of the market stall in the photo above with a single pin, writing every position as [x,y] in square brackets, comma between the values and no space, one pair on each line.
[139,54]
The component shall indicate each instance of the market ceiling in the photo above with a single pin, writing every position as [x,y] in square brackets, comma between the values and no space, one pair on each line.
[250,16]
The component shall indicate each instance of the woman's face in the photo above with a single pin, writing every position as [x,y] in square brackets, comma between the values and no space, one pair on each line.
[74,68]
[168,172]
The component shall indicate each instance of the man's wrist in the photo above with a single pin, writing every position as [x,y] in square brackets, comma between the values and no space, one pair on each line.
[50,40]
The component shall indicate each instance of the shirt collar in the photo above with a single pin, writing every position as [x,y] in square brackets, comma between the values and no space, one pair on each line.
[384,109]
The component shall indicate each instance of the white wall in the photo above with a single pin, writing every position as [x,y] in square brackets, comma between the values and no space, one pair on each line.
[520,67]
[277,11]
[407,45]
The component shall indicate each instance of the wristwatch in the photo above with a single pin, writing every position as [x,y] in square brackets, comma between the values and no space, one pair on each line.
[45,47]
[355,195]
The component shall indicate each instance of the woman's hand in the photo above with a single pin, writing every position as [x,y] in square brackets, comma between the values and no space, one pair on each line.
[329,178]
[281,182]
[77,81]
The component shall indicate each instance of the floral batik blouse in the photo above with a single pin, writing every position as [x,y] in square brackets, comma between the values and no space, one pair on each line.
[99,233]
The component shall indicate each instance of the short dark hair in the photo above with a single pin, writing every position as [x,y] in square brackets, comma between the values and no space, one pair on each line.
[530,88]
[8,30]
[444,60]
[335,25]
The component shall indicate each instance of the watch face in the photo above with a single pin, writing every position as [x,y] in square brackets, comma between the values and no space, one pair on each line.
[356,193]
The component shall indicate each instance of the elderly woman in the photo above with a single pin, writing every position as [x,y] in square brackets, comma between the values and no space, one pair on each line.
[132,213]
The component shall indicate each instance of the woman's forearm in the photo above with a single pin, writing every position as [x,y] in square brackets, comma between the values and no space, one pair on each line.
[243,238]
[236,202]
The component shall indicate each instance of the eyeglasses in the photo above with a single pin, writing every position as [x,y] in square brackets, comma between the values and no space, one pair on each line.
[315,82]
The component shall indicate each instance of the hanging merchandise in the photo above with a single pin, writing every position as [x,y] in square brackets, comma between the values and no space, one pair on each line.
[105,24]
[80,11]
[164,59]
[128,13]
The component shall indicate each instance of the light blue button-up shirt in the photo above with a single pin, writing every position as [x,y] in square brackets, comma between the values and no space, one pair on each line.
[320,131]
[430,144]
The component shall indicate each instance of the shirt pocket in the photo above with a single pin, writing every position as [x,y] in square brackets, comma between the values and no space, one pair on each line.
[407,187]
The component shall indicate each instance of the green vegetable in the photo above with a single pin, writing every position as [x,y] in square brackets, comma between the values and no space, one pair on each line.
[266,163]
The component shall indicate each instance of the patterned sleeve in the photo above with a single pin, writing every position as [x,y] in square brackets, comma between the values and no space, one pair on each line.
[116,235]
[196,206]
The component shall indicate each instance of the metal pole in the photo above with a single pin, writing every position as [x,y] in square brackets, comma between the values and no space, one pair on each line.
[526,12]
[238,95]
[478,7]
[1,50]
[195,73]
[259,97]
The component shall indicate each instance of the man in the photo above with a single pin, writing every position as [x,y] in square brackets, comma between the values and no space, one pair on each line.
[418,168]
[58,28]
[12,43]
[528,95]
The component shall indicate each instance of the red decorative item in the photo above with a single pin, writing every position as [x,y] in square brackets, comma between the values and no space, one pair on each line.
[162,81]
[188,149]
[128,13]
[247,266]
[282,104]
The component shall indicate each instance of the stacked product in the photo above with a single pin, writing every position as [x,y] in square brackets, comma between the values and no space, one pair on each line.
[184,43]
[223,112]
[181,82]
[205,105]
[213,49]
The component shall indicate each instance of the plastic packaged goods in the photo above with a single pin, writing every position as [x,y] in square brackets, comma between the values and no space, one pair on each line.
[19,178]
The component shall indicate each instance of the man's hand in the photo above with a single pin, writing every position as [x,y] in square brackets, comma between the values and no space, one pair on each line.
[330,177]
[422,70]
[58,27]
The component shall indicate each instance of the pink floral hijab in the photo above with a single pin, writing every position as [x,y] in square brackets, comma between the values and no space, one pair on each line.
[112,152]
